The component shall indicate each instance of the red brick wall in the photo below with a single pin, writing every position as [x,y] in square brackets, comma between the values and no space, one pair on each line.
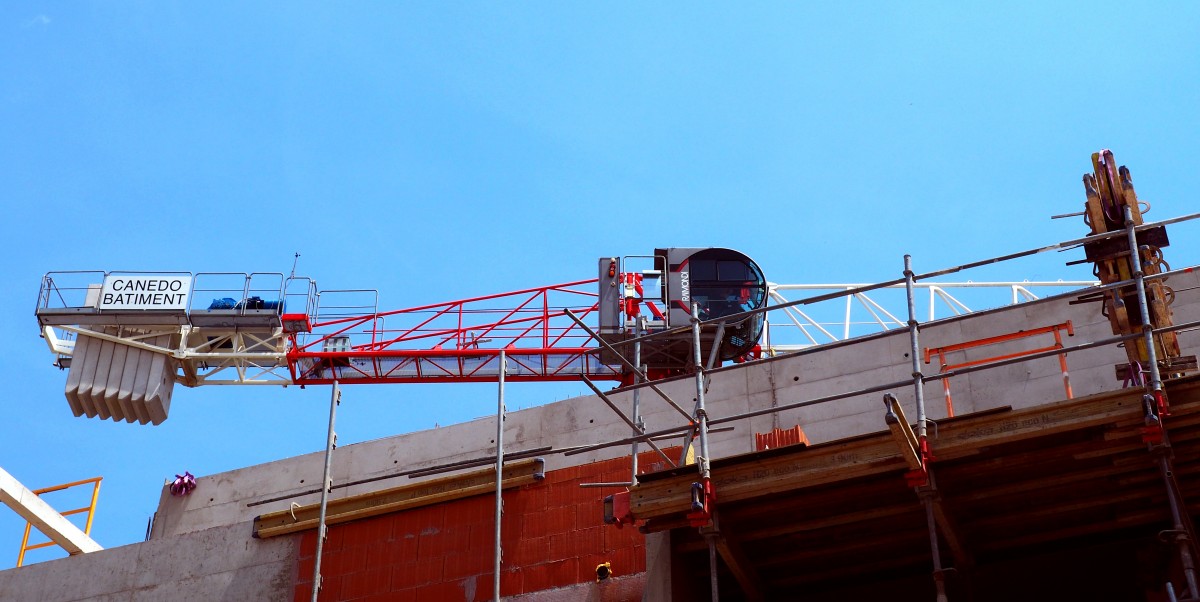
[553,535]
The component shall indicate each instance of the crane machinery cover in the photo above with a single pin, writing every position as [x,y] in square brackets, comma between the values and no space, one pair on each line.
[721,282]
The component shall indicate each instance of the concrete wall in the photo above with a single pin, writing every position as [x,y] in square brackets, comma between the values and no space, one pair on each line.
[222,563]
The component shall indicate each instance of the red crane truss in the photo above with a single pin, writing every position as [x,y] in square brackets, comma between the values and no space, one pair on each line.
[457,341]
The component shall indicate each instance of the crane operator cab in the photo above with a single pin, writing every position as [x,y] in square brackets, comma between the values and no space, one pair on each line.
[720,282]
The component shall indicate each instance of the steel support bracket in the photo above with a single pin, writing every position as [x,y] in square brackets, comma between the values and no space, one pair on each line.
[704,498]
[617,510]
[1161,403]
[1152,433]
[917,478]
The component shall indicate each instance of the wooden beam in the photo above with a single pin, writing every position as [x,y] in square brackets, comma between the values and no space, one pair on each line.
[951,533]
[397,498]
[903,433]
[754,475]
[735,558]
[913,511]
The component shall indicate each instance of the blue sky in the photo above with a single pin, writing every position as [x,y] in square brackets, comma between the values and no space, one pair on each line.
[441,151]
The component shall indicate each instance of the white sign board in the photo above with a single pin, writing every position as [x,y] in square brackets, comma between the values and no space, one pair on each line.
[145,292]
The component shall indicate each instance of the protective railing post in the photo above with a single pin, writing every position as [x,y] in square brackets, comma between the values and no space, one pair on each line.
[702,459]
[926,491]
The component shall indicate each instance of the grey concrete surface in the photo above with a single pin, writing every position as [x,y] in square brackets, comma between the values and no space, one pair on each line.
[221,563]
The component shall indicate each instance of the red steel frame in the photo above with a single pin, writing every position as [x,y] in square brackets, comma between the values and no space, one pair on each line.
[459,341]
[1056,329]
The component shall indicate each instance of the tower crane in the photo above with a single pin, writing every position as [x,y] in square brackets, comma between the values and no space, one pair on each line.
[126,338]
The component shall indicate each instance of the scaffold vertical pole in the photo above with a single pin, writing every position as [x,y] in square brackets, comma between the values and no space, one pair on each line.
[927,491]
[500,411]
[712,567]
[702,459]
[636,413]
[701,413]
[326,487]
[1182,528]
[1135,263]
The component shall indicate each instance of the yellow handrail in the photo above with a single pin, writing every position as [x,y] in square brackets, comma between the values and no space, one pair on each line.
[90,509]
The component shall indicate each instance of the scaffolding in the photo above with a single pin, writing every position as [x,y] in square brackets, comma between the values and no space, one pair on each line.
[699,508]
[686,495]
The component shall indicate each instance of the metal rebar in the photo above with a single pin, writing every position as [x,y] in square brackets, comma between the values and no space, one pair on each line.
[497,551]
[326,486]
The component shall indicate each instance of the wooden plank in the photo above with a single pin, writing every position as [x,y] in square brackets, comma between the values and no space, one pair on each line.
[800,580]
[906,429]
[952,534]
[906,441]
[1101,473]
[759,476]
[914,536]
[1038,421]
[1026,515]
[782,528]
[397,498]
[1042,536]
[743,570]
[755,478]
[875,454]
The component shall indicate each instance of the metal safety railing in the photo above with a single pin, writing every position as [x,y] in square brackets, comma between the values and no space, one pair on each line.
[90,509]
[863,313]
[1056,330]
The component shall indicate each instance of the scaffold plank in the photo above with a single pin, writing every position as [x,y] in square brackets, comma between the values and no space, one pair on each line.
[395,499]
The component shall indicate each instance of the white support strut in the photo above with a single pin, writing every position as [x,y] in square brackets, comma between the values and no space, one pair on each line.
[35,510]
